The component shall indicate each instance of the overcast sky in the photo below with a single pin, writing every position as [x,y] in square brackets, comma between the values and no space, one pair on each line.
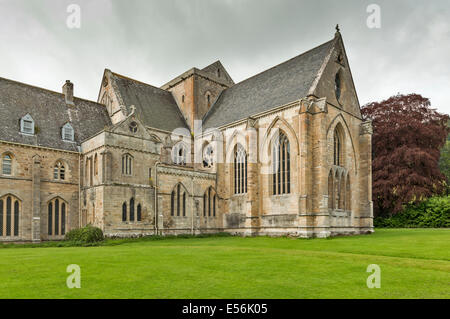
[154,41]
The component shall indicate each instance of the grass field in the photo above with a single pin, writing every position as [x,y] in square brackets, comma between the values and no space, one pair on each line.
[415,263]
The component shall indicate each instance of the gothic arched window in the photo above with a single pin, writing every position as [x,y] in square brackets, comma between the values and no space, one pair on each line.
[9,216]
[178,201]
[179,154]
[124,212]
[139,213]
[209,202]
[57,210]
[281,165]
[132,209]
[240,170]
[59,171]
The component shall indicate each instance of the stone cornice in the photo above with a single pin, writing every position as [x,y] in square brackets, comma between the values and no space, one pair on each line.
[185,172]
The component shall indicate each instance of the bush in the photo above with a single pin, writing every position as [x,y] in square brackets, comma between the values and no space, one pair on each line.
[87,234]
[433,213]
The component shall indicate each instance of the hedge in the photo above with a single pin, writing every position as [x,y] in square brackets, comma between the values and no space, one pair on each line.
[87,234]
[431,213]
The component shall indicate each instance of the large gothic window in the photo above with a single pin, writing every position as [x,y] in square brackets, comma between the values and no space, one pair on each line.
[240,170]
[281,165]
[179,154]
[57,211]
[9,216]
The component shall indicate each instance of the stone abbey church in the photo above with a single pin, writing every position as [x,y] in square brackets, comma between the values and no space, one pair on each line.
[285,152]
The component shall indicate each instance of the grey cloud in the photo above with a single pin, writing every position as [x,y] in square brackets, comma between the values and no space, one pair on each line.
[154,41]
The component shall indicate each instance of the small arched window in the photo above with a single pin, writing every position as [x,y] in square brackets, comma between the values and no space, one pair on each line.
[7,164]
[67,132]
[208,100]
[132,209]
[208,156]
[184,204]
[172,203]
[124,212]
[9,216]
[337,148]
[27,125]
[139,213]
[127,162]
[281,165]
[57,211]
[240,170]
[59,171]
[95,165]
[179,154]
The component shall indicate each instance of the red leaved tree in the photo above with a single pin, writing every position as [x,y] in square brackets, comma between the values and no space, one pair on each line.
[406,143]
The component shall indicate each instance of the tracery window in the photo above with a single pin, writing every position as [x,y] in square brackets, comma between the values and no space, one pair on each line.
[281,165]
[59,171]
[179,154]
[240,170]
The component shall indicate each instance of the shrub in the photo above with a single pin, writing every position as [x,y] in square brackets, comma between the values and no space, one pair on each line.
[433,212]
[87,234]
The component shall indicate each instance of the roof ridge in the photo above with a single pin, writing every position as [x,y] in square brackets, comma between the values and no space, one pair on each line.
[281,63]
[137,81]
[49,91]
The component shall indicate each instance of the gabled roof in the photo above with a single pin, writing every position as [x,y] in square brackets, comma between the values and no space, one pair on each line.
[280,85]
[155,107]
[50,113]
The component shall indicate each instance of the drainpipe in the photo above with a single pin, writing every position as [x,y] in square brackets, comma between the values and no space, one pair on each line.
[156,197]
[80,218]
[192,206]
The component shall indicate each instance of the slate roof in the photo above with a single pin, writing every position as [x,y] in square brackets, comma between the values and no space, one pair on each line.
[282,84]
[49,112]
[155,107]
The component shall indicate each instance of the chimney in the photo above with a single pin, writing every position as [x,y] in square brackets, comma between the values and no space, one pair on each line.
[68,92]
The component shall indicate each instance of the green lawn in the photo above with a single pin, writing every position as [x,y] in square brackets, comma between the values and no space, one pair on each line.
[415,263]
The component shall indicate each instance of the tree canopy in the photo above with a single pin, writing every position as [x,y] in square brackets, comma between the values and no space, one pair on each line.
[406,143]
